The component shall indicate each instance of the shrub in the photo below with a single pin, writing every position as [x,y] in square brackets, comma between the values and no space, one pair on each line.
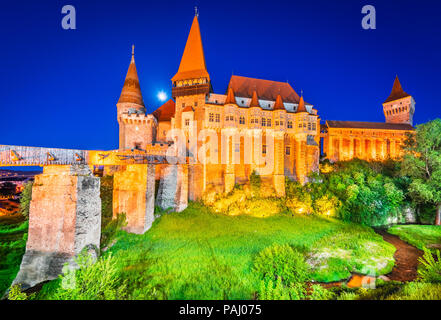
[269,290]
[281,261]
[430,269]
[15,293]
[320,293]
[92,281]
[25,199]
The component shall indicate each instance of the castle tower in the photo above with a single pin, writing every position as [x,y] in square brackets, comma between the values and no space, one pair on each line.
[399,107]
[136,130]
[191,83]
[190,86]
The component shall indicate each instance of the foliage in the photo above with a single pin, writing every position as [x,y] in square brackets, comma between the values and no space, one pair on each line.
[320,293]
[109,226]
[364,192]
[197,254]
[12,247]
[422,162]
[429,269]
[111,229]
[420,236]
[418,291]
[270,290]
[281,261]
[25,199]
[92,281]
[15,293]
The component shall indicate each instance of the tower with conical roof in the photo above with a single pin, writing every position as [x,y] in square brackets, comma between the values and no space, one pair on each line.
[399,107]
[136,129]
[191,83]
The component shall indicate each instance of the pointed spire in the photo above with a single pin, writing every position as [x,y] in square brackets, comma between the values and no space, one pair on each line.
[279,103]
[254,100]
[397,91]
[193,60]
[231,99]
[301,107]
[131,91]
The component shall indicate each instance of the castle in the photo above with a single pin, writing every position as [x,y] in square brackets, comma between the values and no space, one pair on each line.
[257,125]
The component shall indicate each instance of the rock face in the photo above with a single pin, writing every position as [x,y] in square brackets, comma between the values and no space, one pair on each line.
[64,218]
[134,195]
[173,188]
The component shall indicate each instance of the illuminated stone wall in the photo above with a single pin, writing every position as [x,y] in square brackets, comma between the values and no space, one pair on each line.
[64,218]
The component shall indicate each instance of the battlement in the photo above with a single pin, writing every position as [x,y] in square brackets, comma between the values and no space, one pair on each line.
[136,118]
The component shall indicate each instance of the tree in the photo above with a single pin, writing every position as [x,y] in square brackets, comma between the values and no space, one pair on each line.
[25,199]
[422,162]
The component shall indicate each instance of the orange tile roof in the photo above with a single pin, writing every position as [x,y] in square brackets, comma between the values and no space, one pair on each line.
[397,91]
[230,97]
[266,89]
[279,103]
[193,60]
[188,108]
[166,111]
[368,125]
[131,91]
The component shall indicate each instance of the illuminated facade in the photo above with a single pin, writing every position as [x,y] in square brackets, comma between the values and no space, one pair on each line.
[345,140]
[255,122]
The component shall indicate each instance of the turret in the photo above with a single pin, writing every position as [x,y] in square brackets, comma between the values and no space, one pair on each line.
[399,107]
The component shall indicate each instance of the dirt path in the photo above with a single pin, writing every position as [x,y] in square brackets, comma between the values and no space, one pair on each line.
[406,258]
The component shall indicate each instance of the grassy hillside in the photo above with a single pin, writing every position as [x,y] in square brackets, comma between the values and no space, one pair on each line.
[197,254]
[419,236]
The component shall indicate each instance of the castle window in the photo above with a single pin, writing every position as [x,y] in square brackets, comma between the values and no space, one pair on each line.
[268,122]
[138,145]
[183,105]
[187,122]
[264,149]
[314,126]
[237,147]
[288,150]
[277,123]
[211,117]
[242,120]
[304,125]
[195,103]
[217,117]
[289,124]
[309,126]
[263,122]
[281,123]
[300,124]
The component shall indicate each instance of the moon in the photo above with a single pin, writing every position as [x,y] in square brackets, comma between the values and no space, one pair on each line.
[162,96]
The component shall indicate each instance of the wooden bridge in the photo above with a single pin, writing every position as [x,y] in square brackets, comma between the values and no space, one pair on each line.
[37,156]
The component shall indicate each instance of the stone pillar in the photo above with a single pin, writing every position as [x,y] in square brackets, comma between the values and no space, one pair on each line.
[301,161]
[230,178]
[197,180]
[134,195]
[64,218]
[352,148]
[330,151]
[373,148]
[279,164]
[173,187]
[340,149]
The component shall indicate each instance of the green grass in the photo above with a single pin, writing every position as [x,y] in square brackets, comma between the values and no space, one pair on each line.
[197,254]
[13,235]
[419,236]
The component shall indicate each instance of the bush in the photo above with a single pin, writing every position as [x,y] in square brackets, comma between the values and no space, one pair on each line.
[25,199]
[92,281]
[281,261]
[429,269]
[277,291]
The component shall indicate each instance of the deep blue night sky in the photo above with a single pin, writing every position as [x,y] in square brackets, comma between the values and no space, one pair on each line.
[59,87]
